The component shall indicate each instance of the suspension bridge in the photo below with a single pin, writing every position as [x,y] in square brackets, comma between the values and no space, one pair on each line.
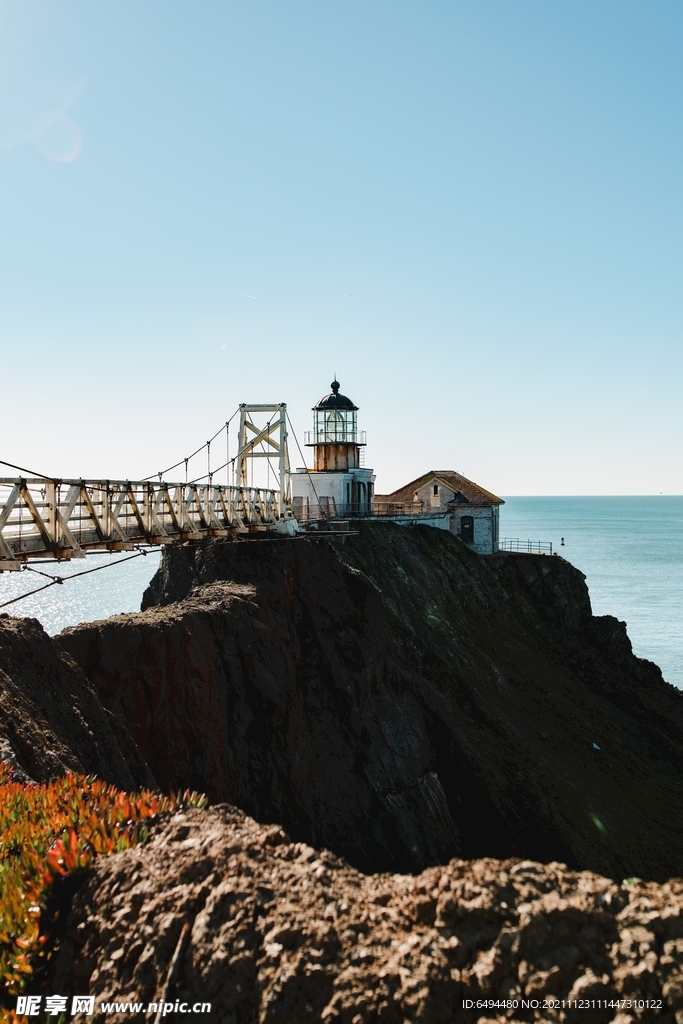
[56,519]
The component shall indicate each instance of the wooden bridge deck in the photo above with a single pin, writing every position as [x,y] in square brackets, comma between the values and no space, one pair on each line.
[62,519]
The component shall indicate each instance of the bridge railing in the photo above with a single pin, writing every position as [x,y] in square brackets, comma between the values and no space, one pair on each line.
[44,518]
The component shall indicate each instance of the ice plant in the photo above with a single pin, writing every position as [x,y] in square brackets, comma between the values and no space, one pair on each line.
[54,829]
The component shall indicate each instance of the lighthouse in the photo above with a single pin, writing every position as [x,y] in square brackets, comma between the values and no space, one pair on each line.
[338,485]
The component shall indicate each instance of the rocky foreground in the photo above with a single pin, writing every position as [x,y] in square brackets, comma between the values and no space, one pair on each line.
[410,707]
[280,933]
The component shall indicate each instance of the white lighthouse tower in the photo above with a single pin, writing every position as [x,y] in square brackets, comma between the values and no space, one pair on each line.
[337,485]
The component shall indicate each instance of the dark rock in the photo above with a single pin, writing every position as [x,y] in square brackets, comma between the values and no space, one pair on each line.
[51,719]
[400,700]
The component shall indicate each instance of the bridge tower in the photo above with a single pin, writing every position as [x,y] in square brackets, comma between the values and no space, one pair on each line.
[265,442]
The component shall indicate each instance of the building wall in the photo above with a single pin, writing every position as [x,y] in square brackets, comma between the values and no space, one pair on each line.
[486,517]
[486,520]
[431,501]
[439,520]
[320,486]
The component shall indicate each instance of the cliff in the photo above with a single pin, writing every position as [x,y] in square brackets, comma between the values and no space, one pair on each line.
[51,719]
[400,701]
[283,934]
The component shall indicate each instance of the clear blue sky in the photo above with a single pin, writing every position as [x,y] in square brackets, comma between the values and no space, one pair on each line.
[471,212]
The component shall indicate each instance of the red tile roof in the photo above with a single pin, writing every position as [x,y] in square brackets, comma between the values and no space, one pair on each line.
[474,494]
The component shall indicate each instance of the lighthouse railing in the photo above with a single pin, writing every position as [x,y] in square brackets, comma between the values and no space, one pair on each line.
[327,435]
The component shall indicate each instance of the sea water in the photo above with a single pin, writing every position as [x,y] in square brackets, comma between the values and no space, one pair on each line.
[116,586]
[630,550]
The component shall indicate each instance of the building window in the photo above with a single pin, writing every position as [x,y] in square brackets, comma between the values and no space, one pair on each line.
[436,488]
[467,529]
[336,426]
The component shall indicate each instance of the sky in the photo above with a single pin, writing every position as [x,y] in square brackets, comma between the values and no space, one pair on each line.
[470,212]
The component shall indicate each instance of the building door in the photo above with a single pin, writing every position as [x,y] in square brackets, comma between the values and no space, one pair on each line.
[467,529]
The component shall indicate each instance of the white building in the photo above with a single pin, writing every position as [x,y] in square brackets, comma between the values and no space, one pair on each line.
[470,511]
[338,485]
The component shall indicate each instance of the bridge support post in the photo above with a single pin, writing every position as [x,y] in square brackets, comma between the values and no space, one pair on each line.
[269,442]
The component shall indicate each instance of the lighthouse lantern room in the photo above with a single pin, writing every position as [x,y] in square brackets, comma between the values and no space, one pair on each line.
[337,485]
[335,435]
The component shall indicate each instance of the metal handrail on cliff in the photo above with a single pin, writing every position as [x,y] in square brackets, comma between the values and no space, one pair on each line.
[526,547]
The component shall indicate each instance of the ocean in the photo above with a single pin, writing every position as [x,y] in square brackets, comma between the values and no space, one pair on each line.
[629,548]
[631,551]
[117,588]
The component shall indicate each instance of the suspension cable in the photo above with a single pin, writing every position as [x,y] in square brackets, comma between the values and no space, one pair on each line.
[207,444]
[22,469]
[308,471]
[196,479]
[60,579]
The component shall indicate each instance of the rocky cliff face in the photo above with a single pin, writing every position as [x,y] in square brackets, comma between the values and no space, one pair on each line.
[51,720]
[400,701]
[270,931]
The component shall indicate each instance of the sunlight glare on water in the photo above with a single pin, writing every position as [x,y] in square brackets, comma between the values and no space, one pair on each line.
[116,589]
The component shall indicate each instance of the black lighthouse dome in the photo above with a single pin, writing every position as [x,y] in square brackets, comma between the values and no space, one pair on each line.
[335,400]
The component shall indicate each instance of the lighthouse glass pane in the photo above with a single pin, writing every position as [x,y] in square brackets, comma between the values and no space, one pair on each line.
[334,426]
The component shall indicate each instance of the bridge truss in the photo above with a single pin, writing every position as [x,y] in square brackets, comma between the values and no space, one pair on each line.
[43,518]
[265,442]
[62,519]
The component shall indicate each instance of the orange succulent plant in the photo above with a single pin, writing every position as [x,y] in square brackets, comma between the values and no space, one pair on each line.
[54,829]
